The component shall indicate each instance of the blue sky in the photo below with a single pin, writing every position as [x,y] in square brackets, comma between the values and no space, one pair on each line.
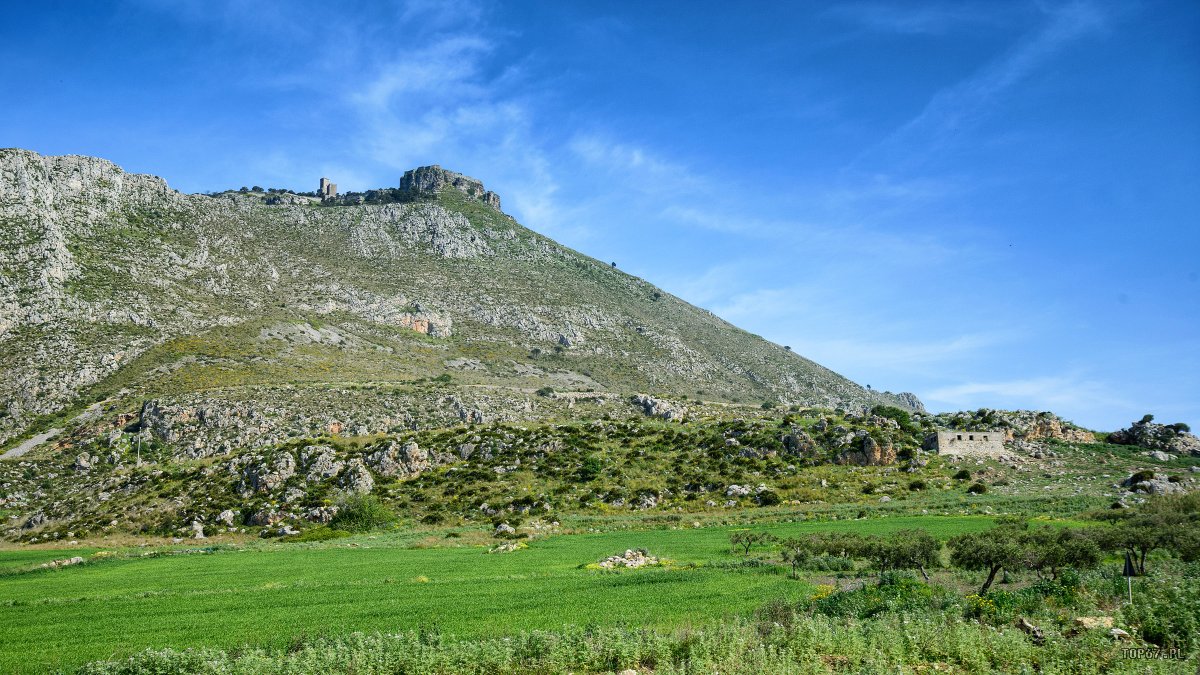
[989,204]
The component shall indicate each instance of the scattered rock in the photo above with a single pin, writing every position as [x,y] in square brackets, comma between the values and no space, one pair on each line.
[632,558]
[737,491]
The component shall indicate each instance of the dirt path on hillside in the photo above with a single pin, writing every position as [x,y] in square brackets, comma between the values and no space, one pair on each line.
[31,444]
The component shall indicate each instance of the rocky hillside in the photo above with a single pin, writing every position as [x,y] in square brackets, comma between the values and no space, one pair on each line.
[270,312]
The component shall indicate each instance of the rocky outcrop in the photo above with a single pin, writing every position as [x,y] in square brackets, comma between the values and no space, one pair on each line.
[1147,433]
[869,453]
[433,179]
[269,475]
[1054,428]
[653,407]
[1151,483]
[357,478]
[401,461]
[630,559]
[1025,425]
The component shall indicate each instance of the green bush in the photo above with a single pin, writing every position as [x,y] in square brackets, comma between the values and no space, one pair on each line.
[962,474]
[1166,611]
[360,513]
[900,416]
[977,489]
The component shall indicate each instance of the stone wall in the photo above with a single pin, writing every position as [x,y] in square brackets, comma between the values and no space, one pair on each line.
[970,443]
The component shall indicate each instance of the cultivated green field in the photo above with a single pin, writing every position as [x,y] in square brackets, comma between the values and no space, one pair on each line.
[272,593]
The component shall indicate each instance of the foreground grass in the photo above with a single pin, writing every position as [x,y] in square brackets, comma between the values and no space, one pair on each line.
[806,644]
[271,595]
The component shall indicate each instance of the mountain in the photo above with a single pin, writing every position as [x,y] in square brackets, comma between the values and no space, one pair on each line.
[298,315]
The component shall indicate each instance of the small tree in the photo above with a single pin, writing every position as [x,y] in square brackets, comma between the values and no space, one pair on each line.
[914,549]
[795,553]
[996,549]
[1050,549]
[746,540]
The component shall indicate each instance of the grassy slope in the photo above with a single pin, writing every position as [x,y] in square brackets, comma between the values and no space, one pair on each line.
[271,594]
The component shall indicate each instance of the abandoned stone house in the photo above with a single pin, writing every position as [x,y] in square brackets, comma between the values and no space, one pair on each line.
[977,443]
[327,190]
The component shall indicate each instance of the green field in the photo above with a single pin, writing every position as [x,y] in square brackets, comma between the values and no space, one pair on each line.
[270,594]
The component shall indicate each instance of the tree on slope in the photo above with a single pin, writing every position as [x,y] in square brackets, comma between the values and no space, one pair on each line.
[992,551]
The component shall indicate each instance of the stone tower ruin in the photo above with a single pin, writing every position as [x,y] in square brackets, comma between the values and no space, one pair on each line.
[327,190]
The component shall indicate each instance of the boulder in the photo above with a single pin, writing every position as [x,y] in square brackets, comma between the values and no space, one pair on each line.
[1151,483]
[504,529]
[197,529]
[226,518]
[653,407]
[737,491]
[403,461]
[357,478]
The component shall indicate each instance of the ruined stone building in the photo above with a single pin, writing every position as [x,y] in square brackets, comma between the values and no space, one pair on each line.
[970,443]
[327,190]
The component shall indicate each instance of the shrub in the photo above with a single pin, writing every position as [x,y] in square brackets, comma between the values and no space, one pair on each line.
[977,489]
[360,513]
[917,485]
[962,474]
[1141,476]
[769,498]
[545,391]
[591,469]
[900,416]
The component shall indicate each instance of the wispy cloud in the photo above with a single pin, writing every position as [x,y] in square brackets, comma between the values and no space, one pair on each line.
[915,19]
[954,111]
[1070,391]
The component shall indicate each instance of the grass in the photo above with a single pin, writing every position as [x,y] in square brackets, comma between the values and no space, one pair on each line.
[268,595]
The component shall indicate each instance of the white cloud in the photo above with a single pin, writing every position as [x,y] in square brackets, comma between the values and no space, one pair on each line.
[1069,392]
